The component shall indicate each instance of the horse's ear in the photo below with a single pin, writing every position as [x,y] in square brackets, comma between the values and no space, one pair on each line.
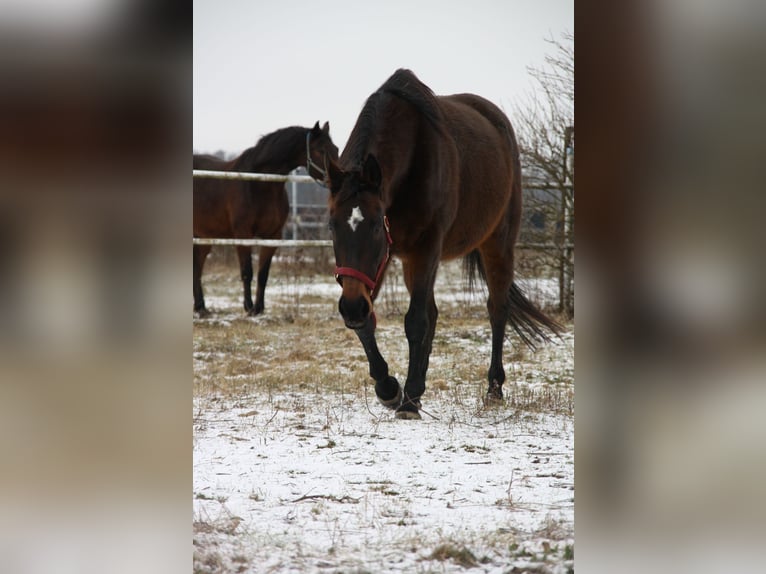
[325,127]
[316,129]
[371,171]
[334,174]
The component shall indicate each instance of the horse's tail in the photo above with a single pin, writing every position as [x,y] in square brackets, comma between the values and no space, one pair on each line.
[531,325]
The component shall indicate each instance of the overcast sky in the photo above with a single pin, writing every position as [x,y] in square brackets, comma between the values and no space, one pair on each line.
[263,65]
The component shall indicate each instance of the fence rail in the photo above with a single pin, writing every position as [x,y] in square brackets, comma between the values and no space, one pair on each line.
[248,176]
[255,242]
[566,249]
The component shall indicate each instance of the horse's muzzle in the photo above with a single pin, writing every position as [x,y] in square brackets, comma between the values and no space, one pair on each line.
[356,311]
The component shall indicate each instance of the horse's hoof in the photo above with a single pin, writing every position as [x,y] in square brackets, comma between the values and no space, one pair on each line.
[202,313]
[409,409]
[493,401]
[392,403]
[408,415]
[254,312]
[494,396]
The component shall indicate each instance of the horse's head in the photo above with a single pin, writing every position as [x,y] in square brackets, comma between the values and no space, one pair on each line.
[318,146]
[360,237]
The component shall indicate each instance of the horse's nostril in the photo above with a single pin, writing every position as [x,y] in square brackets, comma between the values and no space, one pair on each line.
[354,310]
[365,307]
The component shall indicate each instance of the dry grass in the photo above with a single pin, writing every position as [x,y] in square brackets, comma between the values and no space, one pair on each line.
[323,357]
[300,344]
[455,552]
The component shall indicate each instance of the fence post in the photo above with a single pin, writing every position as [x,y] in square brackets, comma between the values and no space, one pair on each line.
[294,207]
[566,274]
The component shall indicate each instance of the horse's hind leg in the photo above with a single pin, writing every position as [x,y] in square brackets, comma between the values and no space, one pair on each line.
[200,253]
[498,266]
[264,264]
[246,273]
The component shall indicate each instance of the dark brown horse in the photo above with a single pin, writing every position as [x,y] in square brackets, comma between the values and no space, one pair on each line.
[428,178]
[246,209]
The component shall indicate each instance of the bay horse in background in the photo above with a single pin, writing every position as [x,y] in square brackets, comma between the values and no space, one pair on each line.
[247,209]
[428,178]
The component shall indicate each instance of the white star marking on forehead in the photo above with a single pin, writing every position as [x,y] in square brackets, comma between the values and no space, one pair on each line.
[356,218]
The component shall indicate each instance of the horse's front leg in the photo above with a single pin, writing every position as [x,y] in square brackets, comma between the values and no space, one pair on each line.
[420,326]
[387,388]
[246,274]
[264,264]
[200,253]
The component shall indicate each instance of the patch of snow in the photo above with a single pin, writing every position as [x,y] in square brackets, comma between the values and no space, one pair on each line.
[317,477]
[305,481]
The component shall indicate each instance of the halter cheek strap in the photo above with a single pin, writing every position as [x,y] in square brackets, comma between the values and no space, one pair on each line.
[371,284]
[309,162]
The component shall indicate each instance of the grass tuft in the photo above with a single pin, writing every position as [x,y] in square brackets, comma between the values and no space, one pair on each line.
[457,553]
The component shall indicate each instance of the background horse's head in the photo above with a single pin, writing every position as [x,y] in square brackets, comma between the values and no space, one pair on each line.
[319,146]
[360,237]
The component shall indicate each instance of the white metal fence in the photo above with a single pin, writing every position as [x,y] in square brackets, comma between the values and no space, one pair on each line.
[247,176]
[566,248]
[255,242]
[296,223]
[264,242]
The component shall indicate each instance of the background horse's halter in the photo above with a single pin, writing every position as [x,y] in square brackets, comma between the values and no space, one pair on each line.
[372,284]
[309,162]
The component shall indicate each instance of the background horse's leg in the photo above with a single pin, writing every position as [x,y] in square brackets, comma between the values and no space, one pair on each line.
[200,253]
[264,264]
[420,326]
[244,254]
[497,262]
[387,388]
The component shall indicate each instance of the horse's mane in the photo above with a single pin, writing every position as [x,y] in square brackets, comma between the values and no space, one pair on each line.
[405,85]
[272,147]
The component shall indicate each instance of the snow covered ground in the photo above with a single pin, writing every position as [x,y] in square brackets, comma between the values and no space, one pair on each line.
[307,473]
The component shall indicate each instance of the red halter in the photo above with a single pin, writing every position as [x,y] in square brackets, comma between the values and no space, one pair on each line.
[363,277]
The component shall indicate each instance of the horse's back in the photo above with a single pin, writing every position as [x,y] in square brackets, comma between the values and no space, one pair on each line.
[482,106]
[480,128]
[207,161]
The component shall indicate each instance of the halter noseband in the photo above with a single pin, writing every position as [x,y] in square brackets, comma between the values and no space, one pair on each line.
[371,284]
[309,162]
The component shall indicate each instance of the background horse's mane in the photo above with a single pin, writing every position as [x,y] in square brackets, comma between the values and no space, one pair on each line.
[405,85]
[276,144]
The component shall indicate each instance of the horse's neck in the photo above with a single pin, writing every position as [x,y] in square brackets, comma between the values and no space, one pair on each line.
[396,163]
[282,167]
[230,165]
[282,164]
